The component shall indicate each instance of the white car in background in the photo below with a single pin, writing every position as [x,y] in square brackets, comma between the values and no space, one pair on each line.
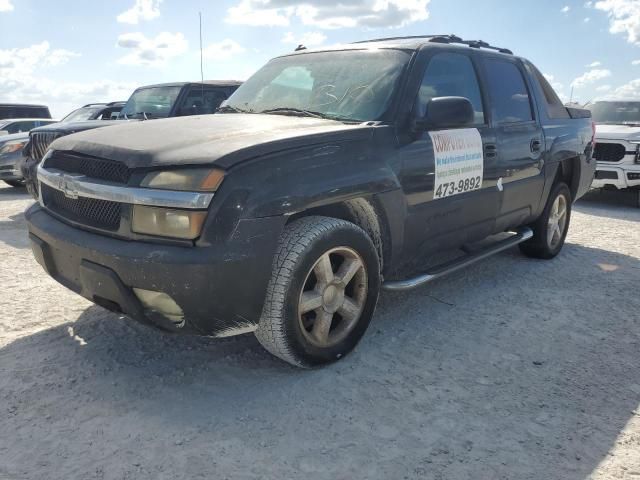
[617,144]
[10,126]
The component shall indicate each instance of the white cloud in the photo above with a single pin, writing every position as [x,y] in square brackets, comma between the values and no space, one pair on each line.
[151,51]
[624,17]
[591,76]
[25,77]
[565,9]
[587,20]
[308,39]
[635,62]
[223,50]
[604,88]
[19,62]
[6,6]
[329,14]
[141,10]
[594,65]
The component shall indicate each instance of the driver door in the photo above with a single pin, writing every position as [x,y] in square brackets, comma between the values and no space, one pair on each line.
[447,207]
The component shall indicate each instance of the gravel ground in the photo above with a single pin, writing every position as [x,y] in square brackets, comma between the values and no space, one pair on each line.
[512,369]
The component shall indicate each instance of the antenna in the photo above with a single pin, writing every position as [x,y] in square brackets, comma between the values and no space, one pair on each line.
[201,64]
[571,96]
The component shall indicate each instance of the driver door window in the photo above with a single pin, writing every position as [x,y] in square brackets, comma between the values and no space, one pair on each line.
[200,102]
[450,75]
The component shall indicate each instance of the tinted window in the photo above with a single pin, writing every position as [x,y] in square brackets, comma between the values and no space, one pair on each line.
[23,111]
[18,127]
[508,91]
[202,101]
[554,106]
[450,75]
[621,113]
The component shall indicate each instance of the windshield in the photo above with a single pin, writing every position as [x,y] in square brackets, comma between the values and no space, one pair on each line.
[347,85]
[616,112]
[152,102]
[81,114]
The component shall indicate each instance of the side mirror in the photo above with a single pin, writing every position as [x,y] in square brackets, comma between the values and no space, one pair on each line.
[448,112]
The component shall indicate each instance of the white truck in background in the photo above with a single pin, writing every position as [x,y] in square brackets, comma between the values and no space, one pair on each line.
[617,147]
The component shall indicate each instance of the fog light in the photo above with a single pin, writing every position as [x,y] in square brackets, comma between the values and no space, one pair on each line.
[167,222]
[158,302]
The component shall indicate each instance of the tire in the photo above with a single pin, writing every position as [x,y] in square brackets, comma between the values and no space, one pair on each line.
[300,303]
[545,244]
[15,183]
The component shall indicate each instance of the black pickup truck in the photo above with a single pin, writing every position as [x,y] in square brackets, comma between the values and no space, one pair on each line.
[163,100]
[328,176]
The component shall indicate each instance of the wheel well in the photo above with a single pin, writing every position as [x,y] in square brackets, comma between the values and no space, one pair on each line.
[569,173]
[362,212]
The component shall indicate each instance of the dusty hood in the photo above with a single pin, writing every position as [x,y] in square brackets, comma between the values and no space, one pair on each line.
[225,139]
[618,132]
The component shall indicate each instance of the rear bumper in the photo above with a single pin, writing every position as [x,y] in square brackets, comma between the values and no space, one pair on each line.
[220,289]
[619,177]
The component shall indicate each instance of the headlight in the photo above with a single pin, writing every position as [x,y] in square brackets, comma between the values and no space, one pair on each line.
[167,222]
[11,147]
[192,179]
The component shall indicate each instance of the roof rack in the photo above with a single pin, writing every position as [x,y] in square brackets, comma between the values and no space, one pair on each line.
[445,39]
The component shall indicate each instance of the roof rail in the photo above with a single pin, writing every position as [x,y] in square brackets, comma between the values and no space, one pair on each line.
[399,38]
[470,43]
[444,39]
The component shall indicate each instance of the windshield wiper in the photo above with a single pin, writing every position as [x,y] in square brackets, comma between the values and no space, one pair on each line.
[230,109]
[144,115]
[305,113]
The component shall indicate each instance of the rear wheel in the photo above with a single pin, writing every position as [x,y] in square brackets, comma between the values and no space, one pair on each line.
[322,294]
[550,230]
[15,183]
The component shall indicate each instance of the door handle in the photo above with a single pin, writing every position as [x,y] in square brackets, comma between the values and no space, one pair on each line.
[536,145]
[490,150]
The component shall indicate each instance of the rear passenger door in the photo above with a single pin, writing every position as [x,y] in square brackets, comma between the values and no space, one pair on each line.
[520,142]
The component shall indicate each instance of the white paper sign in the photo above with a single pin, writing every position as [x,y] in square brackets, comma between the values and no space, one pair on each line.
[459,161]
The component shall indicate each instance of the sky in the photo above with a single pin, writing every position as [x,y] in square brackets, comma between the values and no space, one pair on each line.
[66,53]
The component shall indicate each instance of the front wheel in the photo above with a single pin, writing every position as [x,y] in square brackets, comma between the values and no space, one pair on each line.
[550,230]
[322,293]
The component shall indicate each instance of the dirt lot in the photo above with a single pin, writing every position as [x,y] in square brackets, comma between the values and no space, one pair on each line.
[513,369]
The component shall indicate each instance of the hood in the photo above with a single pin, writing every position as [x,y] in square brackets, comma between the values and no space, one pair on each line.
[223,139]
[14,136]
[66,128]
[618,132]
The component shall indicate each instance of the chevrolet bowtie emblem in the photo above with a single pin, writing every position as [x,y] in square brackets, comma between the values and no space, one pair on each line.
[67,185]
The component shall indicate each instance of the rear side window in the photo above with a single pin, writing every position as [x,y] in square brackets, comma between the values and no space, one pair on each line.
[554,106]
[450,75]
[509,94]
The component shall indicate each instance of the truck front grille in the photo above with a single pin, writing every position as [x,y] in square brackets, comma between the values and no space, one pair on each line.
[88,211]
[40,142]
[91,167]
[609,152]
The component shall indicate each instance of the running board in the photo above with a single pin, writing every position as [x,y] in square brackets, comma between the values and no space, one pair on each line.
[521,235]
